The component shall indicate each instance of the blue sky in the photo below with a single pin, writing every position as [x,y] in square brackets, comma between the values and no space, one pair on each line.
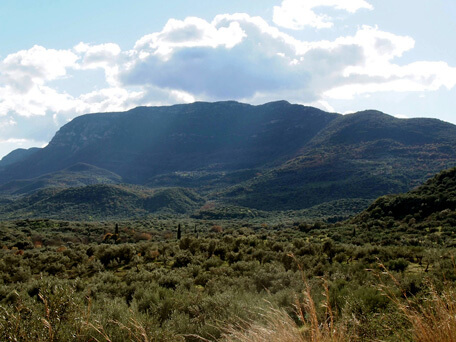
[60,58]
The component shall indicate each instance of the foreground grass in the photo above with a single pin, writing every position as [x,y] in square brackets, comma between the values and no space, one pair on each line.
[428,319]
[223,285]
[59,314]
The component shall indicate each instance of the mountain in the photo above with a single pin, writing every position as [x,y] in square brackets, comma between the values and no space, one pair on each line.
[17,155]
[362,155]
[276,156]
[102,201]
[150,141]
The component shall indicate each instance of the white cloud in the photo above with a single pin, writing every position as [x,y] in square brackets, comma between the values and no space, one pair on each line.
[102,56]
[109,100]
[323,105]
[189,33]
[258,60]
[297,14]
[38,100]
[268,64]
[27,68]
[232,57]
[401,116]
[379,73]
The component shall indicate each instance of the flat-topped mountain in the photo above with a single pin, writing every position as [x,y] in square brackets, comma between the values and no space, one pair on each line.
[149,141]
[276,156]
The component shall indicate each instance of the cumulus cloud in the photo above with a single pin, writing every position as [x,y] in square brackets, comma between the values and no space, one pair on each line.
[102,56]
[23,79]
[25,69]
[234,56]
[298,14]
[379,73]
[189,33]
[258,59]
[265,63]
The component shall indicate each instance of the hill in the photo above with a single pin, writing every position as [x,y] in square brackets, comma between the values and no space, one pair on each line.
[435,200]
[17,155]
[424,216]
[102,201]
[74,176]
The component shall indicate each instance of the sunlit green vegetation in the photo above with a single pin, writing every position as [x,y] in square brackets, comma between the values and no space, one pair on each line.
[75,281]
[385,275]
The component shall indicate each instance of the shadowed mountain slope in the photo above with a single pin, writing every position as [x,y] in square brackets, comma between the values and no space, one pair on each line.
[276,156]
[149,141]
[363,155]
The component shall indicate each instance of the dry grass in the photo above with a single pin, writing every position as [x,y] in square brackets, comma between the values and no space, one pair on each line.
[278,326]
[435,320]
[432,319]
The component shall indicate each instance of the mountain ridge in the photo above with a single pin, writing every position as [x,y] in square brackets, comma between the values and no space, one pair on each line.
[275,156]
[226,134]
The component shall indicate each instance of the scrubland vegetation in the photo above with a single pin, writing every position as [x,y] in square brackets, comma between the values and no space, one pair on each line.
[387,274]
[75,281]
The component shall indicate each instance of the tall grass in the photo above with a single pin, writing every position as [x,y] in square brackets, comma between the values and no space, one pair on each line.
[278,326]
[432,319]
[435,319]
[57,315]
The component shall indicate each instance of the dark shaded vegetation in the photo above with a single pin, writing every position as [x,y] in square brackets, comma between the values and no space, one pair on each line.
[102,201]
[77,175]
[425,212]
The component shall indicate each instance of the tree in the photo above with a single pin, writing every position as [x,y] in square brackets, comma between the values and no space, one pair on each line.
[179,232]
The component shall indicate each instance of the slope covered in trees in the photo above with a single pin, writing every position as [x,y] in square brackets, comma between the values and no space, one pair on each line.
[102,202]
[427,211]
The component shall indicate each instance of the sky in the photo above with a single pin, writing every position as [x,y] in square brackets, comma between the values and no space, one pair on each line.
[63,58]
